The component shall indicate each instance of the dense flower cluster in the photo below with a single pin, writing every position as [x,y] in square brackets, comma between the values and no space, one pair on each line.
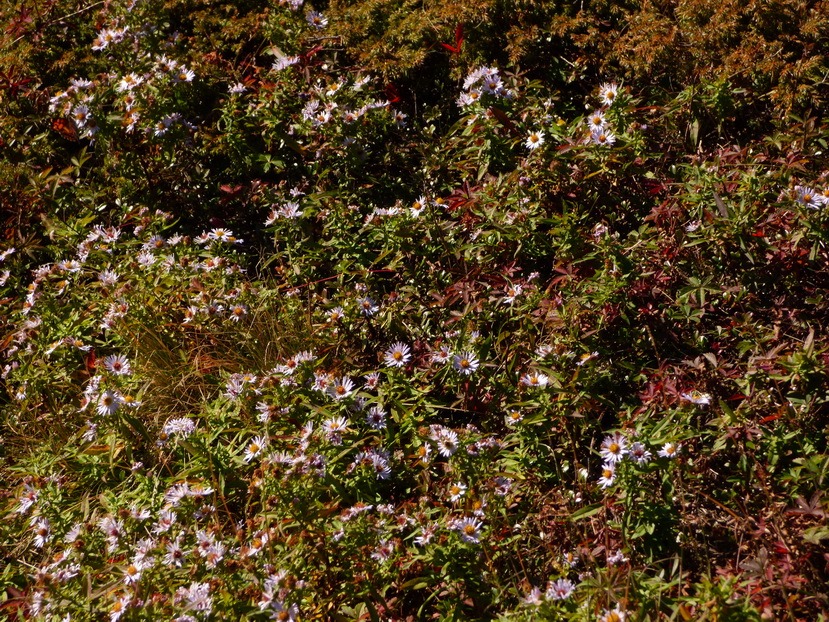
[483,360]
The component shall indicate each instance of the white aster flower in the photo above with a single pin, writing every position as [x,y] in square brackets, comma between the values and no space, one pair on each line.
[43,531]
[317,20]
[108,277]
[608,93]
[456,491]
[283,62]
[108,403]
[376,418]
[534,140]
[184,75]
[465,363]
[669,450]
[367,306]
[596,121]
[608,475]
[639,453]
[469,529]
[603,137]
[535,379]
[614,448]
[533,597]
[511,293]
[255,447]
[118,365]
[560,589]
[341,388]
[398,355]
[696,397]
[129,82]
[447,443]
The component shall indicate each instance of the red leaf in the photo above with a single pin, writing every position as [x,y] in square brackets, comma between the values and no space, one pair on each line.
[456,49]
[91,361]
[232,190]
[311,52]
[504,120]
[391,94]
[780,548]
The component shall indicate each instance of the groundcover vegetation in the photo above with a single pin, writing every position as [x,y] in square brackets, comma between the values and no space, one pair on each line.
[398,311]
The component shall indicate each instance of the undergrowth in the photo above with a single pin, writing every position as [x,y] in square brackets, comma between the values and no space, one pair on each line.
[387,311]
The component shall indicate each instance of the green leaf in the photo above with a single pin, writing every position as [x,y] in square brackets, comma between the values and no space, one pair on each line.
[814,535]
[586,511]
[417,583]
